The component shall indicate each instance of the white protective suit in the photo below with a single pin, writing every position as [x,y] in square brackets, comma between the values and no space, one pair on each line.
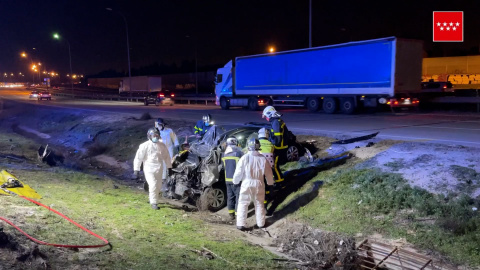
[156,160]
[169,138]
[251,170]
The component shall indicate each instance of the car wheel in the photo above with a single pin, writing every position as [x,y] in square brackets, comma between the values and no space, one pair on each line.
[213,199]
[292,153]
[224,104]
[308,155]
[145,103]
[157,103]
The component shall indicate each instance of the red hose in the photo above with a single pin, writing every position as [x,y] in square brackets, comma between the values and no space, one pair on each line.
[65,217]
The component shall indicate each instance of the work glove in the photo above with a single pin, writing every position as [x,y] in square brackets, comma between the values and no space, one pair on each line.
[135,175]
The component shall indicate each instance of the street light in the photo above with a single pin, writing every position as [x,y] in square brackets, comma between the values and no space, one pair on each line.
[128,50]
[57,36]
[24,55]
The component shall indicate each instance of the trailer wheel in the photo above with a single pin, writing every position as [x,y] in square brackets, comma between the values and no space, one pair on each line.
[253,104]
[313,104]
[347,105]
[329,105]
[224,104]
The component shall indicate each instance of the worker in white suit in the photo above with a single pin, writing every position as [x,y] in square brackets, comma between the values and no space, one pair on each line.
[252,169]
[156,160]
[169,138]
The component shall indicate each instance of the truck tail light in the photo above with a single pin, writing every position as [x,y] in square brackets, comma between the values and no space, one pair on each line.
[392,101]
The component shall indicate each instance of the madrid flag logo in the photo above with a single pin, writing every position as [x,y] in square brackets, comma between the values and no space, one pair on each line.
[448,26]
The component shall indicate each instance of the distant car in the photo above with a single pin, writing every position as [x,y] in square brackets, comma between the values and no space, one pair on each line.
[437,87]
[44,95]
[159,97]
[33,94]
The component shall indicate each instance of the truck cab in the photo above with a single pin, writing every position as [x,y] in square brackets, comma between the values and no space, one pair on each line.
[223,85]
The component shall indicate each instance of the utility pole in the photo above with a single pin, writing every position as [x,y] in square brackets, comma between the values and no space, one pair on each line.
[128,50]
[310,24]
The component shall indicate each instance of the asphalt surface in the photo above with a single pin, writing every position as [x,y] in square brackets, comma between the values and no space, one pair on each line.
[455,128]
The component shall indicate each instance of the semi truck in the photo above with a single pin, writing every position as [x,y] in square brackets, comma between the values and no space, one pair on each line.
[181,82]
[140,85]
[341,77]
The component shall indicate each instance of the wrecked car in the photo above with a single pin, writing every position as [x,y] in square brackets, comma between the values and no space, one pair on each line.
[198,174]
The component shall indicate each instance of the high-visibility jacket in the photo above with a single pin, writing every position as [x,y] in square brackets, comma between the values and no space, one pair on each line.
[278,133]
[266,149]
[201,128]
[230,160]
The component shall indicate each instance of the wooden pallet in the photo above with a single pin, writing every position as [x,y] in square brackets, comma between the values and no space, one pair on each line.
[376,255]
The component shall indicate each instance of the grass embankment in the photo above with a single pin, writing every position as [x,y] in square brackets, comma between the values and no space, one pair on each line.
[368,201]
[141,237]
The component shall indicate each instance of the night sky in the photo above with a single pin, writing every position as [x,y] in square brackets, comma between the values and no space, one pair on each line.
[169,31]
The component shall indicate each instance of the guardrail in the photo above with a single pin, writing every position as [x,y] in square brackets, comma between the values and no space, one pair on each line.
[179,100]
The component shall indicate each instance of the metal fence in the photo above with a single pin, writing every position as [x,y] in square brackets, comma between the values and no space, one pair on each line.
[82,94]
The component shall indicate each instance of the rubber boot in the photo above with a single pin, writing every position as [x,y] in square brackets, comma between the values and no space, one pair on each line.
[232,216]
[241,228]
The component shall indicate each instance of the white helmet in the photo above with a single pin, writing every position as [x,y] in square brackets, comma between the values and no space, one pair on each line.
[270,112]
[253,144]
[264,133]
[153,134]
[207,118]
[232,141]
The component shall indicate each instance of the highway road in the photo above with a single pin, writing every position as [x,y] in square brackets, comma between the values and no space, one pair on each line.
[438,127]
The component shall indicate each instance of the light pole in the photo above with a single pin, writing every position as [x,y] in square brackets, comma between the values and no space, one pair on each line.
[196,65]
[128,51]
[57,36]
[24,55]
[310,24]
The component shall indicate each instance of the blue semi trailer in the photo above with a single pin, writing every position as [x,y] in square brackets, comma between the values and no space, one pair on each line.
[333,78]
